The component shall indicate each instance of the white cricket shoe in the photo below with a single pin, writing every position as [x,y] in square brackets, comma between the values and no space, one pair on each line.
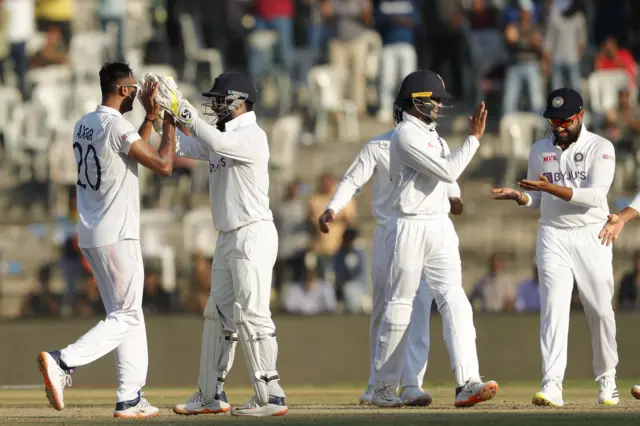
[195,405]
[55,378]
[414,396]
[635,391]
[138,408]
[275,407]
[365,398]
[386,396]
[474,392]
[607,391]
[550,395]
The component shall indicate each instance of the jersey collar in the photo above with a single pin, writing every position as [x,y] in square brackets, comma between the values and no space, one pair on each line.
[108,110]
[410,118]
[239,121]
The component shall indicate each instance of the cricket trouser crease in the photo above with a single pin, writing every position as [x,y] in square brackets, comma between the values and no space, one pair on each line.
[425,248]
[239,309]
[418,345]
[119,273]
[565,254]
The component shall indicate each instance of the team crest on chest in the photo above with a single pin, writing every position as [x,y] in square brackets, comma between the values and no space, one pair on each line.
[578,157]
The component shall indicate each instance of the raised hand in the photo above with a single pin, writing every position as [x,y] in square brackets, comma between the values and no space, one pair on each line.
[148,98]
[478,121]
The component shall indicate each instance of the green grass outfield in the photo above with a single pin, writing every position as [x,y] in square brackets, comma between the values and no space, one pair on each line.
[336,406]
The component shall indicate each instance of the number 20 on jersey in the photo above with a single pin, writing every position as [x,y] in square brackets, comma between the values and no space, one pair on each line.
[87,177]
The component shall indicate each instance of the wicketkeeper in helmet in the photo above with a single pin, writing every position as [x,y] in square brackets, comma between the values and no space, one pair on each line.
[423,243]
[238,307]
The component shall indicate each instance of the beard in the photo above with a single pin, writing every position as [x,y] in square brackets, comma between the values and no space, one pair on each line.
[127,104]
[569,137]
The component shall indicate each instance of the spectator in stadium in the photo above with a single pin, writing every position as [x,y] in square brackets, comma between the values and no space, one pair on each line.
[53,52]
[42,302]
[200,284]
[327,245]
[493,292]
[622,128]
[611,57]
[19,27]
[290,217]
[524,44]
[349,267]
[528,295]
[350,19]
[310,296]
[628,291]
[155,299]
[113,12]
[564,45]
[444,25]
[396,21]
[482,20]
[88,304]
[276,15]
[58,13]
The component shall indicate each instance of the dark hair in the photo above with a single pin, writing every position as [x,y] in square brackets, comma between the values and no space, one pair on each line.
[111,73]
[249,106]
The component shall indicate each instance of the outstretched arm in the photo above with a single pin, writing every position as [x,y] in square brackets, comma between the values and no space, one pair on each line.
[600,179]
[234,145]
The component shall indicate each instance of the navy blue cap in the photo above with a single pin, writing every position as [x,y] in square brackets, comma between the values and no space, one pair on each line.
[422,84]
[563,103]
[230,83]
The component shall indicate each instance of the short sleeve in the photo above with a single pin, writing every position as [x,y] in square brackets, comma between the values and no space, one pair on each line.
[123,135]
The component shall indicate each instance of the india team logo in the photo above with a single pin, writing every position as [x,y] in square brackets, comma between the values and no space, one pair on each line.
[578,157]
[557,102]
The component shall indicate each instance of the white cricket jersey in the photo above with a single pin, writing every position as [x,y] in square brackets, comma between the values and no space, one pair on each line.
[423,169]
[587,166]
[108,193]
[372,160]
[238,169]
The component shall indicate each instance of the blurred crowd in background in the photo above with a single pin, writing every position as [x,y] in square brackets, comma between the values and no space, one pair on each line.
[317,64]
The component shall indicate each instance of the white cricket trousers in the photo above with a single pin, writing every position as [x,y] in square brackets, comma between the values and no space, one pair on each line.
[119,272]
[565,253]
[242,270]
[417,352]
[427,248]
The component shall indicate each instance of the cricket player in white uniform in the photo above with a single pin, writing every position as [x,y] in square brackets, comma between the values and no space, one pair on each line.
[611,232]
[373,160]
[570,172]
[238,307]
[423,244]
[108,149]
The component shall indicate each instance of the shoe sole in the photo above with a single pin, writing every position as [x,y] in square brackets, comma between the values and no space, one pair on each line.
[635,391]
[205,411]
[135,416]
[542,401]
[608,402]
[52,395]
[365,402]
[282,412]
[485,394]
[420,402]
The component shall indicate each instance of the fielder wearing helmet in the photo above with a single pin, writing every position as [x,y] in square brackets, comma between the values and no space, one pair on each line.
[421,94]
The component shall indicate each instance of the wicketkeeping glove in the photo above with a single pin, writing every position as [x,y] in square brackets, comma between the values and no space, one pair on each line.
[170,99]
